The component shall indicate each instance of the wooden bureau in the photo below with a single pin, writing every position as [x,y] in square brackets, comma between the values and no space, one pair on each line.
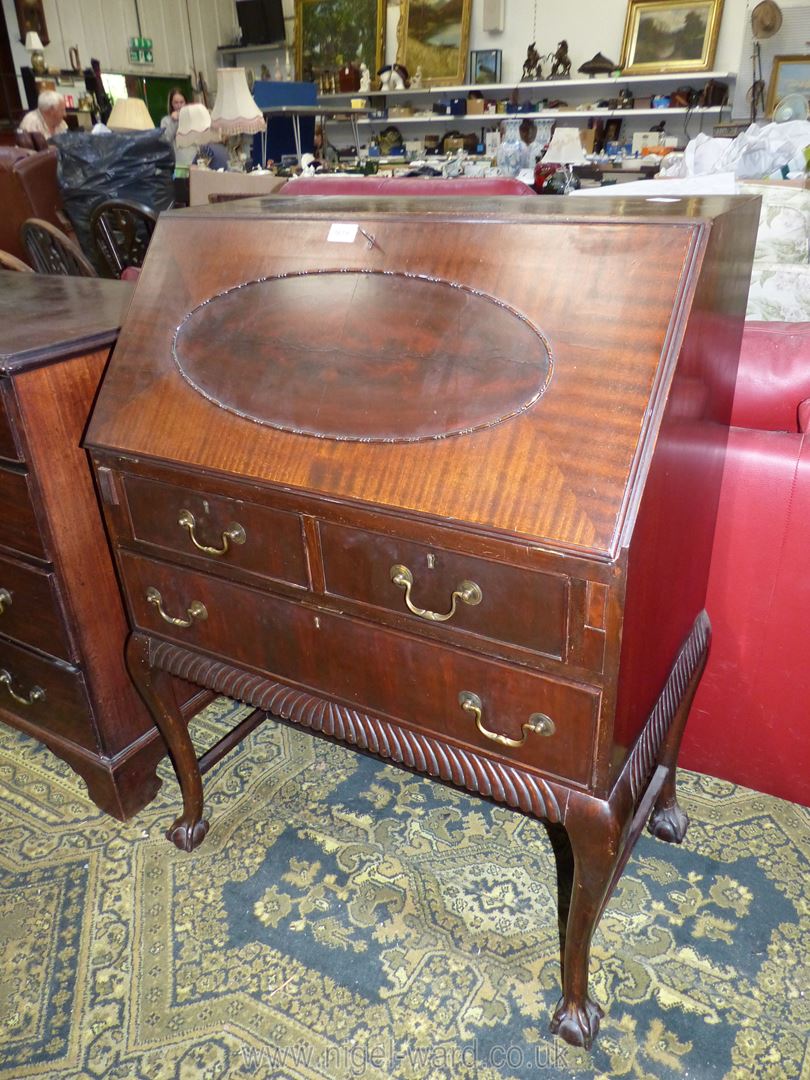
[437,479]
[63,679]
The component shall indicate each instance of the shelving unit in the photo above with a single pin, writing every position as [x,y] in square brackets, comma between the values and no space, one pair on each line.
[581,91]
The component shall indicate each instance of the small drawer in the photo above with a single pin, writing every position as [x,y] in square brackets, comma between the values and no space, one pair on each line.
[30,609]
[518,606]
[253,538]
[47,693]
[8,444]
[399,676]
[19,529]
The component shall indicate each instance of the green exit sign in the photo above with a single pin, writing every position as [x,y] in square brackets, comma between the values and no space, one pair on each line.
[140,50]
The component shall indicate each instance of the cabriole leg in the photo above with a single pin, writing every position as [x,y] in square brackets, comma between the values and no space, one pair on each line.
[593,840]
[155,688]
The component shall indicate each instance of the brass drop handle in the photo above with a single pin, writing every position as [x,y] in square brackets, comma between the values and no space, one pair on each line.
[538,723]
[234,534]
[196,609]
[467,592]
[5,600]
[36,694]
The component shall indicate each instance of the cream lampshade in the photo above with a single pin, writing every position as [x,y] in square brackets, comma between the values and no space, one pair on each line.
[130,114]
[235,112]
[565,147]
[194,126]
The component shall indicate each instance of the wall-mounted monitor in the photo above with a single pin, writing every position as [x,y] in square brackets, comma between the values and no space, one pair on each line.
[261,21]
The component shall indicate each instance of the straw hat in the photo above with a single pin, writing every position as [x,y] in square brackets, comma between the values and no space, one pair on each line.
[766,19]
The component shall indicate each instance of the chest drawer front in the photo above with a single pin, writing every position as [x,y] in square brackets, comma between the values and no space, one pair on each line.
[31,612]
[48,694]
[397,675]
[19,529]
[255,538]
[8,446]
[521,607]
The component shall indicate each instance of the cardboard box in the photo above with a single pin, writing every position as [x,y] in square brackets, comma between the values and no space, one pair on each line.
[475,106]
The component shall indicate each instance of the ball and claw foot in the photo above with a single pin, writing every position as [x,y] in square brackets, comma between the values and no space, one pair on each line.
[187,835]
[668,823]
[577,1024]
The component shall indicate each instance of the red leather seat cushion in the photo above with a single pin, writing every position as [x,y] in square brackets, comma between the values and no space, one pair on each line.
[406,185]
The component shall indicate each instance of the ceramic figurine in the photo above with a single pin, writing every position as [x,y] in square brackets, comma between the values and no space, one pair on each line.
[392,77]
[365,79]
[416,79]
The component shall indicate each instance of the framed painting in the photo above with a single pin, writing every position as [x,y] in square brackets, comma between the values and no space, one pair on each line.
[485,66]
[789,75]
[330,33]
[663,36]
[31,16]
[433,35]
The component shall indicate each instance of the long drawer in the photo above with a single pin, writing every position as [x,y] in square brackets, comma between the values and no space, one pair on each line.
[509,603]
[400,676]
[30,611]
[19,529]
[47,693]
[258,539]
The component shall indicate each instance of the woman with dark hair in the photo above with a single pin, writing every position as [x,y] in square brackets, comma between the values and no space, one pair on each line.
[168,125]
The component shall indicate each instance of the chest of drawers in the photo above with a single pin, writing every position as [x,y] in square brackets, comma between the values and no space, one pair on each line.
[63,678]
[438,480]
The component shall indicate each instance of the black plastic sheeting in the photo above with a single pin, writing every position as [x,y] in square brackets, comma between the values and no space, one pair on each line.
[134,165]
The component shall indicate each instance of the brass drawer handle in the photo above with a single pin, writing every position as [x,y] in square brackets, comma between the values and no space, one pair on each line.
[5,600]
[538,723]
[234,534]
[37,693]
[196,609]
[467,592]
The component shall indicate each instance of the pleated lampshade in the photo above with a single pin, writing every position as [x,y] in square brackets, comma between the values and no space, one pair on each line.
[33,42]
[130,114]
[235,112]
[194,126]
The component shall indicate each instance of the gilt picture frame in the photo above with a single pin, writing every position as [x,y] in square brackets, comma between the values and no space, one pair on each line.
[434,35]
[789,75]
[330,33]
[670,36]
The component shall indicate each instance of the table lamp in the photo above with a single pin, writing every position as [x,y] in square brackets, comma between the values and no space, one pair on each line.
[235,113]
[33,45]
[565,147]
[130,114]
[194,126]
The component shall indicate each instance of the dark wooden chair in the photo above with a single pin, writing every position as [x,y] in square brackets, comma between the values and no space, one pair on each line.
[11,262]
[52,252]
[121,232]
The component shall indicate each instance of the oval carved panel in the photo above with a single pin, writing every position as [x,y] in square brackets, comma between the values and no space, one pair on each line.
[363,355]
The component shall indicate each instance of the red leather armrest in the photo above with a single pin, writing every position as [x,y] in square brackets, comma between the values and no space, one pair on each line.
[773,376]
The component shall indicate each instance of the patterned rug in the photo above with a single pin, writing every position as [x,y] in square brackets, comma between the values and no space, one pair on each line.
[348,919]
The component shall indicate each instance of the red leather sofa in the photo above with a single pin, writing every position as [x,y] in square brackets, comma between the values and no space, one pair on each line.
[405,185]
[750,721]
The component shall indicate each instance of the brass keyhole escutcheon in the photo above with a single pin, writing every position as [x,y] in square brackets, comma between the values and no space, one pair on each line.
[538,723]
[466,591]
[5,600]
[196,609]
[234,534]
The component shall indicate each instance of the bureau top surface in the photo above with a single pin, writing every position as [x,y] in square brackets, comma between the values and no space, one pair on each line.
[46,317]
[491,365]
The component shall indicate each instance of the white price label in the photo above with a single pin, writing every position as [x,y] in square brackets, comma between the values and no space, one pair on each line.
[342,233]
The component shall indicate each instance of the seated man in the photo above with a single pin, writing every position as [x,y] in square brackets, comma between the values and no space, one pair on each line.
[48,118]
